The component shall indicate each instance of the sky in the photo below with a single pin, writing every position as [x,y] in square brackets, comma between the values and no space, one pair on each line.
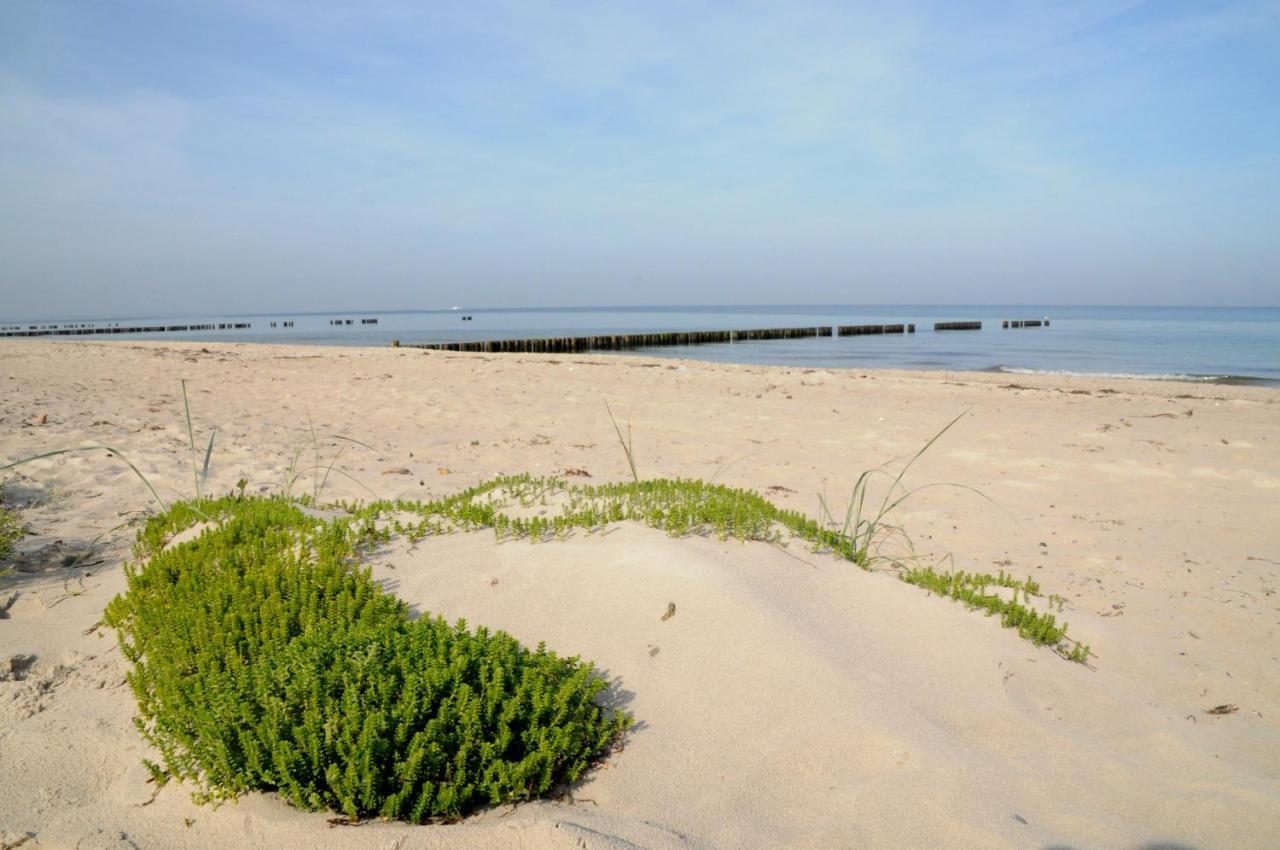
[261,155]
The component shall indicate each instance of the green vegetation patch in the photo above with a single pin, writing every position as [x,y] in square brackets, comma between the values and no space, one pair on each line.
[978,591]
[11,531]
[538,509]
[554,509]
[267,658]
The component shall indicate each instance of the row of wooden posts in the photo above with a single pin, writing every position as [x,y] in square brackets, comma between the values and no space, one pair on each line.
[863,330]
[91,330]
[553,344]
[113,329]
[616,342]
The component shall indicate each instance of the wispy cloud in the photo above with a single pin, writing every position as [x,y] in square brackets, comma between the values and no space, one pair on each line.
[278,140]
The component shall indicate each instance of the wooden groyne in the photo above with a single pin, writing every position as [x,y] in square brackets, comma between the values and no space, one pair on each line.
[957,326]
[139,329]
[863,330]
[1026,323]
[617,342]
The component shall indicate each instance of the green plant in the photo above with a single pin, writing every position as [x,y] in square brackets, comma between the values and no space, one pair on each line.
[975,591]
[11,531]
[624,442]
[199,474]
[868,526]
[679,507]
[318,481]
[320,470]
[692,506]
[111,452]
[200,470]
[265,657]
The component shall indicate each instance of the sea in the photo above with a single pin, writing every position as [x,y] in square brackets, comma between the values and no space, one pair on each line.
[1210,344]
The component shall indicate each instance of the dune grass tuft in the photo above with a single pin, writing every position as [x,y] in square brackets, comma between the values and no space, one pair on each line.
[875,538]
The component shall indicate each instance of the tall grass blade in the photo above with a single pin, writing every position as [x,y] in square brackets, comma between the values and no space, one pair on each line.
[345,474]
[191,440]
[868,534]
[208,453]
[315,448]
[94,448]
[624,442]
[898,481]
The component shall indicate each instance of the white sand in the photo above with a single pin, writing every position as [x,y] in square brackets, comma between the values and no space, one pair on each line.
[792,700]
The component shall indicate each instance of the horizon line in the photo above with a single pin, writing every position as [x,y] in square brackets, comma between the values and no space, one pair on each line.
[628,307]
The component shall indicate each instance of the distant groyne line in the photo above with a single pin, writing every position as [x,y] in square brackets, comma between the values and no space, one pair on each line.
[93,330]
[617,342]
[864,330]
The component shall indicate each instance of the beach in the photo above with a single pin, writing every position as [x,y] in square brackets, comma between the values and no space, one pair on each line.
[791,699]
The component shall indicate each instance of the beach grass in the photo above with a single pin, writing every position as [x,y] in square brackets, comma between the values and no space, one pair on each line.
[869,525]
[625,442]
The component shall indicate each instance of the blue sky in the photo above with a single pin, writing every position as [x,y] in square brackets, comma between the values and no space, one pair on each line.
[262,155]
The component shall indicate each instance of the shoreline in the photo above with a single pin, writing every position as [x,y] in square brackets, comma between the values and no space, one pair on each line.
[791,700]
[1045,379]
[1229,345]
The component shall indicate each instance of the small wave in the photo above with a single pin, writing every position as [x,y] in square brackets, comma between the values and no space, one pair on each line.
[1234,380]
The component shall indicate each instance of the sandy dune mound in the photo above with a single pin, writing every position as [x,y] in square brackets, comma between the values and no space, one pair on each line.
[787,700]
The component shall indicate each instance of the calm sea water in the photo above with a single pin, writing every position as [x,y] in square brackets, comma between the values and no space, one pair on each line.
[1208,343]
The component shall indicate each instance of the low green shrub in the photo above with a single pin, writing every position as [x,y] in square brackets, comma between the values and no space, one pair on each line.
[11,531]
[682,507]
[1039,627]
[265,657]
